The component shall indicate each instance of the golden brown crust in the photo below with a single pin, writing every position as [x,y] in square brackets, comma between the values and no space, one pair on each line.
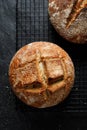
[76,10]
[69,18]
[41,74]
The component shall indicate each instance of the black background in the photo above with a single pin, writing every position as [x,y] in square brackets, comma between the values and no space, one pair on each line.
[22,22]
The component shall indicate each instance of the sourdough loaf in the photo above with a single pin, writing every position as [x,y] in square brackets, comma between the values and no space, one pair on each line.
[41,74]
[69,18]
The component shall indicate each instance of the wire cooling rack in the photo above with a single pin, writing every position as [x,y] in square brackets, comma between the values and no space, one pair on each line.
[33,24]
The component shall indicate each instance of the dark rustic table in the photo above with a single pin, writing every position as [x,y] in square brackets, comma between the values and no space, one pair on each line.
[22,22]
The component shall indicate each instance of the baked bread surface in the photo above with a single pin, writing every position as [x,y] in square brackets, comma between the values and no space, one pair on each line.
[41,74]
[69,18]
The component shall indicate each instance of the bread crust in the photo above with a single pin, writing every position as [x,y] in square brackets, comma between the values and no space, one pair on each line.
[69,18]
[41,74]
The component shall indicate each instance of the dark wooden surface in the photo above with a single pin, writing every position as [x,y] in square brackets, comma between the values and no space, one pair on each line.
[14,115]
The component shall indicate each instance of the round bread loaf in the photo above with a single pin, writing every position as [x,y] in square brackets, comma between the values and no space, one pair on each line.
[41,74]
[69,18]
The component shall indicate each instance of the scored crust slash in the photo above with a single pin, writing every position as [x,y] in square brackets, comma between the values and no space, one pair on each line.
[69,18]
[77,8]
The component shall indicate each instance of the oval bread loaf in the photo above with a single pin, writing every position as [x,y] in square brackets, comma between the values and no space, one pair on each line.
[69,18]
[41,74]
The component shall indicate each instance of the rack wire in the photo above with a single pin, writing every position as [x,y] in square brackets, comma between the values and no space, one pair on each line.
[33,24]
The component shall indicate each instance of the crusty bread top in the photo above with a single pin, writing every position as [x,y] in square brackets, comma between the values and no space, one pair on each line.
[69,18]
[39,69]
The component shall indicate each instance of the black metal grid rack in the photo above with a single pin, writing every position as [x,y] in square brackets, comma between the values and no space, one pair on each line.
[33,24]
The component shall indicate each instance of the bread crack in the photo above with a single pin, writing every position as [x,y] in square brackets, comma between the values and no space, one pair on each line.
[33,85]
[41,69]
[77,8]
[54,70]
